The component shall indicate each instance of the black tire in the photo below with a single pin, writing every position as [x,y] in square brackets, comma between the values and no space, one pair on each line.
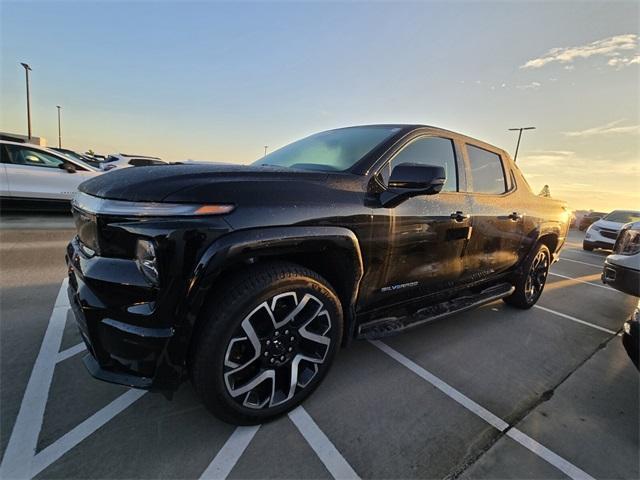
[530,284]
[587,247]
[243,341]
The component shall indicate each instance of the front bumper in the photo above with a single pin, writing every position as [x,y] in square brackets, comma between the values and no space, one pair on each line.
[120,320]
[595,239]
[621,278]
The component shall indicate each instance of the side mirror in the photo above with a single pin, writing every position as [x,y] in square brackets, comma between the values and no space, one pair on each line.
[410,180]
[69,167]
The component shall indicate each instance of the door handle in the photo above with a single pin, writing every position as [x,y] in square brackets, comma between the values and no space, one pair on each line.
[515,216]
[459,216]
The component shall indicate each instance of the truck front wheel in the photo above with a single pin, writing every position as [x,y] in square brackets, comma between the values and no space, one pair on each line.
[268,341]
[530,283]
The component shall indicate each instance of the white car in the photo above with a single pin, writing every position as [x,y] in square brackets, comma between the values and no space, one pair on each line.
[35,178]
[622,267]
[604,232]
[121,160]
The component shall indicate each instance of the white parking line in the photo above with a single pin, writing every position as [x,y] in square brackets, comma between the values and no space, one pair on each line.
[577,320]
[21,448]
[230,453]
[57,449]
[560,463]
[565,259]
[543,452]
[585,282]
[445,388]
[70,352]
[320,443]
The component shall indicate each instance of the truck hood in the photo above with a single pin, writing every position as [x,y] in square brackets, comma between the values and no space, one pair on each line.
[191,183]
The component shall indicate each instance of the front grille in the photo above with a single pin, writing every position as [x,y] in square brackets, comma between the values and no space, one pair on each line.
[98,236]
[87,228]
[609,233]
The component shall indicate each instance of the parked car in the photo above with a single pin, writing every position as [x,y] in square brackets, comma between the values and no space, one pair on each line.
[36,178]
[79,156]
[247,279]
[120,160]
[588,219]
[622,272]
[622,267]
[604,232]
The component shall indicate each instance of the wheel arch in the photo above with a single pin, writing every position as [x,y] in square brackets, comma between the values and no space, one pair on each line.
[549,237]
[551,240]
[332,252]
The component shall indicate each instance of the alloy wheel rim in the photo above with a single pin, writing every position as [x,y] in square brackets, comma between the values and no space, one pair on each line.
[277,350]
[537,276]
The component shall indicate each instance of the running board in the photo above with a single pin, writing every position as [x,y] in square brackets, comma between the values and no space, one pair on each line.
[386,327]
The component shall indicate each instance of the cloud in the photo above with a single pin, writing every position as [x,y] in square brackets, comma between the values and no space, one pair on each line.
[530,86]
[609,128]
[621,62]
[609,47]
[548,157]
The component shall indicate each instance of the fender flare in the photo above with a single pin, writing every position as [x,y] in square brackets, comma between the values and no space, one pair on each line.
[535,236]
[242,245]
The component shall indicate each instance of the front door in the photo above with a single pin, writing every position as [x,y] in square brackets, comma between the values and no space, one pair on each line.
[417,247]
[4,183]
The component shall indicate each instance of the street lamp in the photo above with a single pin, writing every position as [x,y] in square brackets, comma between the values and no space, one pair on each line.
[265,150]
[27,69]
[519,129]
[59,129]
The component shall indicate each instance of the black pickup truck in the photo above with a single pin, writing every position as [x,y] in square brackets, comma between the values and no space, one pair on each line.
[247,279]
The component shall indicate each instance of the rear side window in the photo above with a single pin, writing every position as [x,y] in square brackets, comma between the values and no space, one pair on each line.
[428,151]
[144,162]
[487,174]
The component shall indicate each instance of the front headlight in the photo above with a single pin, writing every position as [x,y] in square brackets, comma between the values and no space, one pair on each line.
[147,260]
[628,242]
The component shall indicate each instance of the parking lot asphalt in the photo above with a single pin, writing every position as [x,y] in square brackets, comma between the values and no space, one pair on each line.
[490,393]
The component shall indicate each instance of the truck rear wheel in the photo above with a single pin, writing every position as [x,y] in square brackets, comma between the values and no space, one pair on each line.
[268,341]
[530,284]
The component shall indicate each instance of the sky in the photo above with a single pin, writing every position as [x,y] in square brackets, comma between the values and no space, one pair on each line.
[218,81]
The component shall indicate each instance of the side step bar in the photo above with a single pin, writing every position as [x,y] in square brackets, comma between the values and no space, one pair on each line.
[386,327]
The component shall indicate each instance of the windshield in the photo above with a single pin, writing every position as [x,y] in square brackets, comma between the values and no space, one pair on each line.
[622,216]
[79,161]
[334,150]
[81,158]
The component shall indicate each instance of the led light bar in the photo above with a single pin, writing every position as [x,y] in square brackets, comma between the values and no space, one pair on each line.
[104,206]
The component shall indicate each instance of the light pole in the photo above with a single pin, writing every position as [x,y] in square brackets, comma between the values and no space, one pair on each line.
[265,150]
[519,129]
[59,128]
[27,69]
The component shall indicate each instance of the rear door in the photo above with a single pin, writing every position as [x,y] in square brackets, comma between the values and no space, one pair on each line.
[34,173]
[418,245]
[498,219]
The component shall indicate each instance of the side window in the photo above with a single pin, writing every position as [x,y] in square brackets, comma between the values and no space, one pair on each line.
[428,151]
[32,158]
[487,174]
[144,162]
